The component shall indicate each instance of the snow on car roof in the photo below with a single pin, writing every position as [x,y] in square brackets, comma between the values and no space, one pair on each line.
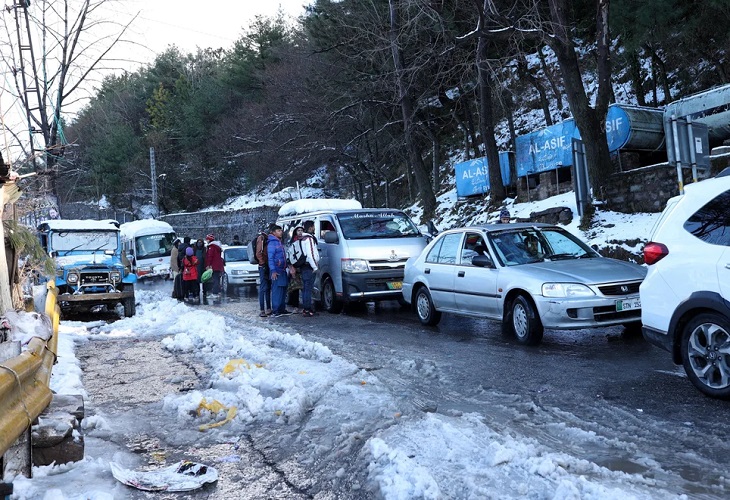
[315,204]
[79,225]
[144,227]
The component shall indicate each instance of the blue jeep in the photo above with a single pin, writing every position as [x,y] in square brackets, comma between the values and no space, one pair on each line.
[92,273]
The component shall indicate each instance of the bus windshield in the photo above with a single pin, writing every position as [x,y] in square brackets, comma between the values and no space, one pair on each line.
[376,224]
[154,245]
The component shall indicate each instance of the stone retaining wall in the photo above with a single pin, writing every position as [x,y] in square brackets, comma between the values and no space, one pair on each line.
[224,224]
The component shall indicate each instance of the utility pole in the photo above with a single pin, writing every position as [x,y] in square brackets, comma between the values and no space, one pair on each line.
[153,173]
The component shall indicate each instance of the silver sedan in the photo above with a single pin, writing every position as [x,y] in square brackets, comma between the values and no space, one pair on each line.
[529,276]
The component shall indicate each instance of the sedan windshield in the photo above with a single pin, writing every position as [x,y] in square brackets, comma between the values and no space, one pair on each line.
[236,255]
[385,224]
[529,245]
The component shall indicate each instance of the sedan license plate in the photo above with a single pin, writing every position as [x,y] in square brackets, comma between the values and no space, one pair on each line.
[395,285]
[628,304]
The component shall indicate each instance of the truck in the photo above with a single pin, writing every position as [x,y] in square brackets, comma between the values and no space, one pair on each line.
[92,272]
[147,243]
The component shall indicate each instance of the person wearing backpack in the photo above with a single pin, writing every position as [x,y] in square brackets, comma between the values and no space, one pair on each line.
[294,259]
[308,246]
[260,251]
[277,266]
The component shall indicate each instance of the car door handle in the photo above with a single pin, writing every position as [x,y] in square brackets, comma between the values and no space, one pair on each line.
[427,270]
[461,274]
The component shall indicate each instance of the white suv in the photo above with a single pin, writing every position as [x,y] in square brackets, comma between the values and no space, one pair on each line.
[685,297]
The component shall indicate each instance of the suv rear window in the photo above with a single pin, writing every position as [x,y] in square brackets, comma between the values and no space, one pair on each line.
[711,223]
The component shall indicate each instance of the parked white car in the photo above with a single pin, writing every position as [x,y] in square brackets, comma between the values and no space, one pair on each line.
[530,277]
[686,294]
[238,270]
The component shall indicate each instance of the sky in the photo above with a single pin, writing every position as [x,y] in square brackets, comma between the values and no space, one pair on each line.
[456,455]
[159,23]
[190,24]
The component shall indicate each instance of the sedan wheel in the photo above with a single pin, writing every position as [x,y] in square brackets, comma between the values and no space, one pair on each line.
[706,354]
[525,321]
[427,313]
[224,283]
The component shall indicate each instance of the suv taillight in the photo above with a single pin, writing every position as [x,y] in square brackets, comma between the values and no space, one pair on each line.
[654,252]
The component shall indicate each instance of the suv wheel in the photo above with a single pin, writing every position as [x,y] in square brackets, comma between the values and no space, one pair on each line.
[525,322]
[705,354]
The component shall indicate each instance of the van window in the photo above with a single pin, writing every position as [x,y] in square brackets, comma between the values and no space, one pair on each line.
[369,225]
[324,227]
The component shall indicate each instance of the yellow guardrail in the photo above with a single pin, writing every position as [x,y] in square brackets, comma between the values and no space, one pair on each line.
[24,379]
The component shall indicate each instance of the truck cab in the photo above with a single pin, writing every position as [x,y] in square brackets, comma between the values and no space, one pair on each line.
[92,272]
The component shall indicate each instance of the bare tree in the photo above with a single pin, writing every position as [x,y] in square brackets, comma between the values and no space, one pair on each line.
[55,49]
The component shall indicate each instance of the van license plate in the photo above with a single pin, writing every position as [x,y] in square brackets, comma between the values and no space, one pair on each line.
[395,285]
[628,304]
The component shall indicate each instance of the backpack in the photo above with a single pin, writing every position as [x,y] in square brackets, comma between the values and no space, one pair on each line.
[251,249]
[295,254]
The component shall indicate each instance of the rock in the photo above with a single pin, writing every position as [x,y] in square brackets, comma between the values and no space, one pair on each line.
[555,215]
[57,436]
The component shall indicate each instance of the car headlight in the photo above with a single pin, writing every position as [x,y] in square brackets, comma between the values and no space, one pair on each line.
[354,266]
[115,276]
[566,290]
[72,278]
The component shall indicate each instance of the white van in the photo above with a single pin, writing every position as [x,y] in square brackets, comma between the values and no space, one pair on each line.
[147,244]
[363,251]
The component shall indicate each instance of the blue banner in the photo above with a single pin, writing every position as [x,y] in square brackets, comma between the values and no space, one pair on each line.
[545,149]
[472,176]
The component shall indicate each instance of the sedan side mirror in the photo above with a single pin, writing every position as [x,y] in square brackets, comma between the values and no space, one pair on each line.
[483,261]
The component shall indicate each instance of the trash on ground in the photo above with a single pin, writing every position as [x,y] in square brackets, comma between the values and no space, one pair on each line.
[183,476]
[216,407]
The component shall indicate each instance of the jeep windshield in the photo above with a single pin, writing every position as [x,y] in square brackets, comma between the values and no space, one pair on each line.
[65,242]
[376,224]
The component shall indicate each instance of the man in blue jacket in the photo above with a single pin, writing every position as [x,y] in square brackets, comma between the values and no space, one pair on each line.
[277,266]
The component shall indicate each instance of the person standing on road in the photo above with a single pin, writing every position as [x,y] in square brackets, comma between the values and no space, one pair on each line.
[236,241]
[190,276]
[174,261]
[199,248]
[308,244]
[214,261]
[262,257]
[277,265]
[293,251]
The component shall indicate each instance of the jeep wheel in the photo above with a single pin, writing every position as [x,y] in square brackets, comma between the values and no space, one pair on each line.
[330,301]
[225,286]
[525,322]
[705,355]
[130,308]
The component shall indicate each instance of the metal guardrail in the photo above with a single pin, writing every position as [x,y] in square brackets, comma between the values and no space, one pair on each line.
[24,379]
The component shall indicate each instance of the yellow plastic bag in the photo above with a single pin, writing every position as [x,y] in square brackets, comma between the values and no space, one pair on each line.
[235,364]
[216,407]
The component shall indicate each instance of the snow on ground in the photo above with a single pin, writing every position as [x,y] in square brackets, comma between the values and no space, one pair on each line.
[276,378]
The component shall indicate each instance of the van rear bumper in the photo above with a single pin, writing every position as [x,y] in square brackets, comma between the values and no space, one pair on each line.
[372,286]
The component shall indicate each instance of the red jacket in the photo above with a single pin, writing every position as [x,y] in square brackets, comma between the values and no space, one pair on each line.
[190,268]
[214,257]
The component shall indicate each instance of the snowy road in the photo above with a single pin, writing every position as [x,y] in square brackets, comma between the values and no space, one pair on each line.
[373,405]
